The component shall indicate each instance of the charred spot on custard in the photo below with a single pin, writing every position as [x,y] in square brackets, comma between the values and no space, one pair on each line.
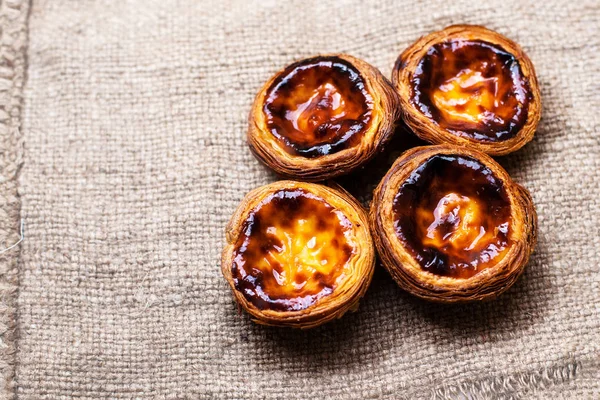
[472,89]
[453,215]
[294,250]
[318,106]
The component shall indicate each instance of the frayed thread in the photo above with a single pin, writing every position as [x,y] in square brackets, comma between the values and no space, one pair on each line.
[21,238]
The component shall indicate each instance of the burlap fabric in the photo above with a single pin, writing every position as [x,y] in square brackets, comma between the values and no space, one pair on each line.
[13,15]
[134,121]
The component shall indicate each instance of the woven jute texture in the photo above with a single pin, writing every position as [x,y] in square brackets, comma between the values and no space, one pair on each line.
[135,157]
[13,16]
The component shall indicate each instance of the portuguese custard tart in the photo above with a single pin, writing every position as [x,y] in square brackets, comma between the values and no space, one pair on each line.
[322,117]
[298,254]
[469,86]
[451,226]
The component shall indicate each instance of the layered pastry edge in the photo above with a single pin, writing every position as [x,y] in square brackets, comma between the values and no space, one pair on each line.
[409,273]
[345,295]
[384,116]
[428,129]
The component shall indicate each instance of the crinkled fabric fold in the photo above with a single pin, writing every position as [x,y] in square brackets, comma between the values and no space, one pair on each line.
[13,41]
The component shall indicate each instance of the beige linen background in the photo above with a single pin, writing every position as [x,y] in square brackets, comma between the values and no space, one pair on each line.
[134,118]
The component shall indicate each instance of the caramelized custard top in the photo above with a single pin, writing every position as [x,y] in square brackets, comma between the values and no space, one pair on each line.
[453,215]
[318,106]
[294,250]
[472,89]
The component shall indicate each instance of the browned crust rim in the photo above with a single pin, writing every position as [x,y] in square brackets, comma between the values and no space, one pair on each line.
[428,130]
[407,272]
[345,296]
[385,115]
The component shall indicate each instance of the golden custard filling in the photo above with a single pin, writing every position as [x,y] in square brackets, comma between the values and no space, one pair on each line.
[318,106]
[472,89]
[454,216]
[294,249]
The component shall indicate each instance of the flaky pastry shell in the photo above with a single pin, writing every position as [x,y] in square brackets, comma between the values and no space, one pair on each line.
[298,254]
[401,260]
[520,113]
[374,124]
